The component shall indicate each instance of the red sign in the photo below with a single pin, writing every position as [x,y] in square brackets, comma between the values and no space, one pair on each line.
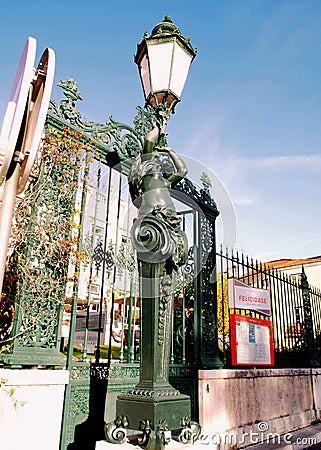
[93,322]
[251,341]
[243,296]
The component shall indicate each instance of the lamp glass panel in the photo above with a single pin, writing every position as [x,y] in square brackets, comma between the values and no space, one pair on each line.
[180,68]
[160,60]
[144,73]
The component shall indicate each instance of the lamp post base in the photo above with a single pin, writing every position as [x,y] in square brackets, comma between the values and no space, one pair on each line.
[155,416]
[156,409]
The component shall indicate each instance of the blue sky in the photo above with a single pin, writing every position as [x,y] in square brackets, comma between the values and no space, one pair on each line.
[250,110]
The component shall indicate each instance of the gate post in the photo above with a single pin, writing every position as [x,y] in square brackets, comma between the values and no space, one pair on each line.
[39,265]
[208,323]
[308,323]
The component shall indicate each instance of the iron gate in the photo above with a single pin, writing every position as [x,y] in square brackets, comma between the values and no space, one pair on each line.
[80,235]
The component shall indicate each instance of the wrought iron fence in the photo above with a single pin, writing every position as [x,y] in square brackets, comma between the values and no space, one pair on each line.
[295,309]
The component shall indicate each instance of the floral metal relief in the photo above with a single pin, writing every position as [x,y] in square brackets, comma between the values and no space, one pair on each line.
[43,242]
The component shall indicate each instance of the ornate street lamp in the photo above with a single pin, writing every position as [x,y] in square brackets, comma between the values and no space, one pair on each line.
[154,406]
[164,59]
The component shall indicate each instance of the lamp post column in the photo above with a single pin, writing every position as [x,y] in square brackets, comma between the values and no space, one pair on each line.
[154,406]
[161,248]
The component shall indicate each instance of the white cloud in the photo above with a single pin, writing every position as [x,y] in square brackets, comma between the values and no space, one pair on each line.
[240,174]
[284,252]
[245,200]
[310,162]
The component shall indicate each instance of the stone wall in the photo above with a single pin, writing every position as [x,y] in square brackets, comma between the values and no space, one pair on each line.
[31,405]
[247,406]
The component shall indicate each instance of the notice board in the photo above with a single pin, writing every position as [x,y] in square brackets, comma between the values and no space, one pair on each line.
[251,341]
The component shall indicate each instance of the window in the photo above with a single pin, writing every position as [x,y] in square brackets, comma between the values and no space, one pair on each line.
[295,278]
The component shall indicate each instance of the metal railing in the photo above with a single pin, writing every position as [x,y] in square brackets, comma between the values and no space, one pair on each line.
[295,313]
[295,309]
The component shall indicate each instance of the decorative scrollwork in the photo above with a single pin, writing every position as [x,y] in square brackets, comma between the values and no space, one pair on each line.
[146,427]
[202,197]
[157,238]
[128,373]
[152,239]
[115,432]
[154,439]
[151,393]
[67,108]
[44,243]
[166,283]
[208,299]
[144,120]
[114,136]
[40,320]
[206,239]
[80,372]
[191,431]
[107,257]
[126,260]
[100,371]
[185,276]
